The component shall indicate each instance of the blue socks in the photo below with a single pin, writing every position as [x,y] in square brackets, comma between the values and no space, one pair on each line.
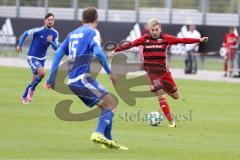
[35,82]
[26,91]
[104,125]
[32,85]
[108,130]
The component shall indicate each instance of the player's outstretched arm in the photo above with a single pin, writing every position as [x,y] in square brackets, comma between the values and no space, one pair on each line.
[102,58]
[175,40]
[126,46]
[27,33]
[129,44]
[204,39]
[54,68]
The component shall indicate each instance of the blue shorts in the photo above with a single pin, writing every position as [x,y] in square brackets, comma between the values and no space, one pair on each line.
[88,90]
[35,63]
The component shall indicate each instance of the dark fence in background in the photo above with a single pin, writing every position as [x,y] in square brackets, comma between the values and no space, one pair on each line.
[117,31]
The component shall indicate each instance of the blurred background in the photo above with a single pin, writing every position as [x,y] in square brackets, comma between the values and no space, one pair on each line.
[201,12]
[124,20]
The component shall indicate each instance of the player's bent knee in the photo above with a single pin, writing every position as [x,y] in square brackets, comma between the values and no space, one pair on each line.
[41,73]
[175,95]
[108,102]
[160,93]
[161,96]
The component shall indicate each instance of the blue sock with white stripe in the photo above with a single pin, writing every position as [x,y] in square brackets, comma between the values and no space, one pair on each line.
[35,82]
[26,90]
[104,121]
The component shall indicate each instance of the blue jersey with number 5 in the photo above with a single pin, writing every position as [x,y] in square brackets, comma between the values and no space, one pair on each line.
[79,47]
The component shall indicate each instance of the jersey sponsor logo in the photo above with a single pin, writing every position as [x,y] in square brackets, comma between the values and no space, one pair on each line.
[153,46]
[6,33]
[75,36]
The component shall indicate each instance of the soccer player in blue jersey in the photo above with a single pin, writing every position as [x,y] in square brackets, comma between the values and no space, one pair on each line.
[81,45]
[42,38]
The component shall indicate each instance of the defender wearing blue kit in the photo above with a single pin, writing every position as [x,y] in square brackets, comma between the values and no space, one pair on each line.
[81,45]
[42,38]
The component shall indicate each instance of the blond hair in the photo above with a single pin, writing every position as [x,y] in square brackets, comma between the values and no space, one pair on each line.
[153,22]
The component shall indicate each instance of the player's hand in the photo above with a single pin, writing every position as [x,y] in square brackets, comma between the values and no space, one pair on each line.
[47,86]
[113,79]
[204,39]
[110,55]
[19,49]
[50,38]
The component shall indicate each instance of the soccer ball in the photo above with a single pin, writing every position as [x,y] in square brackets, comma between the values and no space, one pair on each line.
[154,118]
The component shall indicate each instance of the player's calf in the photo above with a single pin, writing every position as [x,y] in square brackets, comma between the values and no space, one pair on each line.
[108,106]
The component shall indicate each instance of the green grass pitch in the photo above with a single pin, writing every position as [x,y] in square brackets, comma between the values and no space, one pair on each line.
[207,115]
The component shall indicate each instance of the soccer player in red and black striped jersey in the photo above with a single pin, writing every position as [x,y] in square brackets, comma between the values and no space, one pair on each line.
[155,45]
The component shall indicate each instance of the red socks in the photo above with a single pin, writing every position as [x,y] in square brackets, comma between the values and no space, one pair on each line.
[225,66]
[165,108]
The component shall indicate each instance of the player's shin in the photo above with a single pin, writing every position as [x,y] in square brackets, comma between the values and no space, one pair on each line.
[104,121]
[165,108]
[108,131]
[225,68]
[26,91]
[37,79]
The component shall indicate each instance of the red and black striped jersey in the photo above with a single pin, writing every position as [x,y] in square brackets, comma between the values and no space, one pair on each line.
[230,40]
[155,50]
